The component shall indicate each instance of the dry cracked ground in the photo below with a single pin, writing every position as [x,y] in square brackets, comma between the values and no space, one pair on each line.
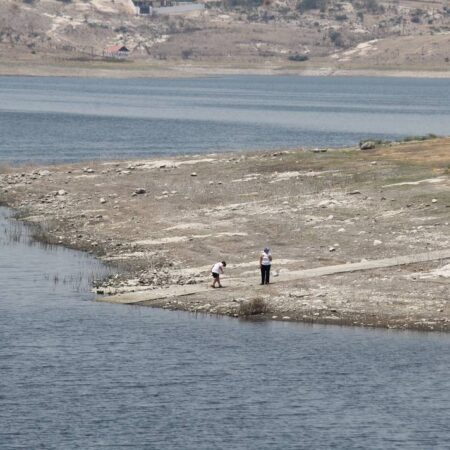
[163,223]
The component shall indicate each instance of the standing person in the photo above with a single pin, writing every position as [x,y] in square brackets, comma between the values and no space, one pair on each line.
[216,270]
[265,261]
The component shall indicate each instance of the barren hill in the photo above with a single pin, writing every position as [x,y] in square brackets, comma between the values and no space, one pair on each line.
[289,35]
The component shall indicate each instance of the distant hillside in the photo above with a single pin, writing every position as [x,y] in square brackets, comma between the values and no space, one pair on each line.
[358,34]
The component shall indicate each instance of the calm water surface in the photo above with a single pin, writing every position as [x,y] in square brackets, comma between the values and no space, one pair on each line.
[70,119]
[76,374]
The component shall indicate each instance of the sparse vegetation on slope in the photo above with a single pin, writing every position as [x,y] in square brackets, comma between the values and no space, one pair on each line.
[356,34]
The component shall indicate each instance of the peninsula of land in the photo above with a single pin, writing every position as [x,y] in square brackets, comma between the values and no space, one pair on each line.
[359,236]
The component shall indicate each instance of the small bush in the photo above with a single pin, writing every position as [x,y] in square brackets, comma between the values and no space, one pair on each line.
[336,38]
[306,5]
[298,58]
[187,53]
[373,6]
[252,307]
[341,17]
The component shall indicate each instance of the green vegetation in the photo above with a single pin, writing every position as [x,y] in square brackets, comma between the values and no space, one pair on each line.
[336,38]
[298,58]
[419,138]
[245,4]
[306,5]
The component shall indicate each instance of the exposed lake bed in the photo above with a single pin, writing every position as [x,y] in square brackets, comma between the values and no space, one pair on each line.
[165,222]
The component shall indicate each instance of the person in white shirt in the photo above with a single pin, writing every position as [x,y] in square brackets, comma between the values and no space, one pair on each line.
[216,270]
[265,261]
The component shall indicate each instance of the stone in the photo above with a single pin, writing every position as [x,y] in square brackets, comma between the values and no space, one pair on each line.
[44,173]
[193,174]
[140,191]
[61,192]
[367,145]
[434,200]
[102,200]
[376,242]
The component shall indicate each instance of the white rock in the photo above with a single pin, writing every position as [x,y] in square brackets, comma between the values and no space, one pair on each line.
[193,174]
[376,242]
[434,200]
[102,200]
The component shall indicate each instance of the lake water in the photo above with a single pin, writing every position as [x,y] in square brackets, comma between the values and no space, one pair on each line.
[51,120]
[76,374]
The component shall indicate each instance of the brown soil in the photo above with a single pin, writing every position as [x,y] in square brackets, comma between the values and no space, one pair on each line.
[313,209]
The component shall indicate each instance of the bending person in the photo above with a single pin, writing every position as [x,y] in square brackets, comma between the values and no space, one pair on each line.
[216,270]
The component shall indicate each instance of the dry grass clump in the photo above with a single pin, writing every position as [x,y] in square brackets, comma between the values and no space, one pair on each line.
[252,307]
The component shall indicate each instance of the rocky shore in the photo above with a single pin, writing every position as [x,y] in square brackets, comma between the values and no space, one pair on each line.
[359,236]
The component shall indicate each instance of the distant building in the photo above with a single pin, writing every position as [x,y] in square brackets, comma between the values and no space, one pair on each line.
[116,51]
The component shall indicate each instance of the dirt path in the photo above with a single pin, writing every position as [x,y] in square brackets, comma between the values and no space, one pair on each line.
[236,282]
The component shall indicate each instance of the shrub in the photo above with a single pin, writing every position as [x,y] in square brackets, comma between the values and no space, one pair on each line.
[252,307]
[373,6]
[246,4]
[306,5]
[187,53]
[336,38]
[341,17]
[298,58]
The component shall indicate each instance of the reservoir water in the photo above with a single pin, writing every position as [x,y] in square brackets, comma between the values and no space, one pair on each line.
[49,120]
[78,374]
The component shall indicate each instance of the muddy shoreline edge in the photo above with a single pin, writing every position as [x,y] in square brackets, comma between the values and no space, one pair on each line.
[160,222]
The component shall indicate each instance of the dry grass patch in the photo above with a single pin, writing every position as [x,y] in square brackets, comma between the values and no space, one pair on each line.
[252,307]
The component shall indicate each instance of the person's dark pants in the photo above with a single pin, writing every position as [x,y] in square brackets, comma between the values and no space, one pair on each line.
[265,274]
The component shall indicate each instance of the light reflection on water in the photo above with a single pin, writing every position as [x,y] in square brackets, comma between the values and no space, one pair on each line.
[80,374]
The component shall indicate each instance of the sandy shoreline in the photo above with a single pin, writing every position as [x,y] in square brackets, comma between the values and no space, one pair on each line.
[164,222]
[123,70]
